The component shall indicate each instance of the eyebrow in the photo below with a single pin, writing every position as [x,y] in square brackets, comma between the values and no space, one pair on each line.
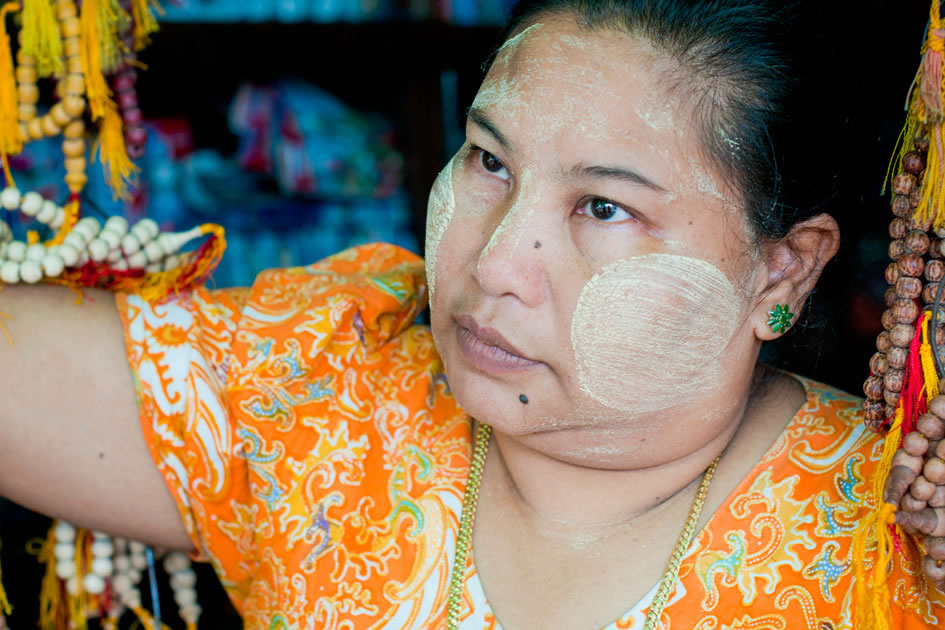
[479,117]
[617,173]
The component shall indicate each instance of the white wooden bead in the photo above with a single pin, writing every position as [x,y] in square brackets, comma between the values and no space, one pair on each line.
[69,253]
[10,272]
[5,232]
[122,563]
[138,260]
[122,583]
[110,236]
[149,227]
[35,252]
[136,547]
[130,244]
[47,214]
[64,551]
[154,252]
[88,228]
[186,578]
[131,599]
[138,562]
[94,584]
[135,575]
[120,265]
[76,240]
[72,585]
[103,567]
[3,250]
[103,548]
[98,250]
[53,265]
[173,241]
[83,258]
[65,570]
[16,251]
[60,219]
[10,198]
[30,271]
[171,262]
[190,613]
[184,596]
[31,203]
[64,532]
[176,561]
[118,224]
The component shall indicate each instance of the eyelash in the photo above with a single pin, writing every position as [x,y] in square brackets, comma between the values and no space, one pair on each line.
[481,155]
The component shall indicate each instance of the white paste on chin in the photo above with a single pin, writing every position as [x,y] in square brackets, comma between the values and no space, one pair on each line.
[648,332]
[440,208]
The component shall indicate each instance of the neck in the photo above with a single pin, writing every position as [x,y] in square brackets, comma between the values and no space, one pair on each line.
[590,497]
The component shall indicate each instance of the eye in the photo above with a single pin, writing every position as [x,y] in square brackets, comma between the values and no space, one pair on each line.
[491,164]
[604,211]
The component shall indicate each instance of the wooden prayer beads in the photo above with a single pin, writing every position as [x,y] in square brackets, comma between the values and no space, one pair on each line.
[913,274]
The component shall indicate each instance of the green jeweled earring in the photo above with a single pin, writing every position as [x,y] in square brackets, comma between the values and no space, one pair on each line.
[780,318]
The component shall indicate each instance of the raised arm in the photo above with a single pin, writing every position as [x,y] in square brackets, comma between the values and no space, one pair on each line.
[70,441]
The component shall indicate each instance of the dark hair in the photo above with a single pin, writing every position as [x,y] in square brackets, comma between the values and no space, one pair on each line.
[731,56]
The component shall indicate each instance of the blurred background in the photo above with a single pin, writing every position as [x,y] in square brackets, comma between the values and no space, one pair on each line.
[307,126]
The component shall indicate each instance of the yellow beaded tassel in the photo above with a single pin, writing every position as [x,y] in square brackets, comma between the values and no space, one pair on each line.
[41,37]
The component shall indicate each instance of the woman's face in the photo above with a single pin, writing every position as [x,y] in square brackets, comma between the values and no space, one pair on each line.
[584,254]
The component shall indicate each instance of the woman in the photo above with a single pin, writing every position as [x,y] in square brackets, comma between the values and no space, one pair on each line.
[605,257]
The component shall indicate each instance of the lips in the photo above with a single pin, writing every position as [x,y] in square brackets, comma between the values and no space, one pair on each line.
[488,350]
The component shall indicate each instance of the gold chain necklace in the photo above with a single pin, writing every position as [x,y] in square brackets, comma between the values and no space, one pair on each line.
[454,599]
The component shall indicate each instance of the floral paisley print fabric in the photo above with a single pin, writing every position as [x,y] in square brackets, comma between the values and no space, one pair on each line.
[306,431]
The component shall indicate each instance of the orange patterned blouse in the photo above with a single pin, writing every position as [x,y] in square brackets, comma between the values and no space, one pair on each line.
[307,433]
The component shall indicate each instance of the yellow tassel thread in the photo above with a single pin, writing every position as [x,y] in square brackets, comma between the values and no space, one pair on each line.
[929,373]
[98,26]
[5,607]
[71,210]
[7,173]
[78,603]
[157,286]
[50,596]
[11,143]
[872,605]
[41,37]
[145,23]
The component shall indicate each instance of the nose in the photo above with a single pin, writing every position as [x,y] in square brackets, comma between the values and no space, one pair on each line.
[512,262]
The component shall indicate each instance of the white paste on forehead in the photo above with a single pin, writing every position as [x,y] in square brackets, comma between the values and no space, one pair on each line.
[648,332]
[440,208]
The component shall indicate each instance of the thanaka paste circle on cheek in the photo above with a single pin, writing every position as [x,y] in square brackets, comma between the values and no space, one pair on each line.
[648,332]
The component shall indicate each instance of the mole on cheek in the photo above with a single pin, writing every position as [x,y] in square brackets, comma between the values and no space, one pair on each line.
[648,332]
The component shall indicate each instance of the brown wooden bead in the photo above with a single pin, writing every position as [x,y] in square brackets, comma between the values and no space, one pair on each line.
[890,411]
[25,112]
[76,182]
[934,470]
[873,388]
[883,342]
[929,291]
[59,116]
[74,84]
[913,162]
[75,129]
[897,249]
[910,265]
[890,296]
[935,545]
[901,335]
[50,128]
[879,363]
[918,242]
[898,228]
[908,287]
[29,94]
[921,139]
[922,489]
[904,311]
[75,165]
[935,248]
[73,147]
[894,380]
[35,129]
[915,444]
[915,198]
[874,410]
[911,504]
[74,106]
[892,273]
[934,270]
[891,398]
[921,224]
[904,183]
[889,319]
[938,499]
[931,426]
[26,75]
[901,205]
[897,357]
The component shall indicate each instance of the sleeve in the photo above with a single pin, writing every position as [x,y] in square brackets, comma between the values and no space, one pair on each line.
[201,362]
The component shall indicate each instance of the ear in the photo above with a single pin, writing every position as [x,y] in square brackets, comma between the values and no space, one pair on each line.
[793,266]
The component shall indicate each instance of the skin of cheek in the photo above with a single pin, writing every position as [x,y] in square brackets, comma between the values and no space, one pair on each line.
[648,332]
[440,208]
